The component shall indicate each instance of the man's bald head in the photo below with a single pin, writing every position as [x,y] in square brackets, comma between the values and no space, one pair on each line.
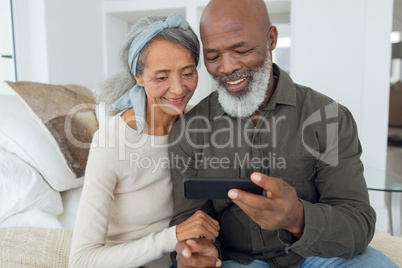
[223,12]
[238,40]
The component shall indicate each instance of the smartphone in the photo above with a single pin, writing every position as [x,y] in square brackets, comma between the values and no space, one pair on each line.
[212,188]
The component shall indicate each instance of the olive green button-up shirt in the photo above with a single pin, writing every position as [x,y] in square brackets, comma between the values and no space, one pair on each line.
[303,137]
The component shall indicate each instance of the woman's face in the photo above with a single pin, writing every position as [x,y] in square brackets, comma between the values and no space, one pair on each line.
[169,77]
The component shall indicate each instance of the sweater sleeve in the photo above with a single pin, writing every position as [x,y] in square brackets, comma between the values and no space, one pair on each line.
[89,248]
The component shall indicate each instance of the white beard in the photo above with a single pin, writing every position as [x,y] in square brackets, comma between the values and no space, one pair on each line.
[243,105]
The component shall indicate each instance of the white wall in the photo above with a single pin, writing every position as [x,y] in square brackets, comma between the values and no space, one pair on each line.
[7,70]
[59,41]
[115,31]
[31,40]
[74,40]
[342,48]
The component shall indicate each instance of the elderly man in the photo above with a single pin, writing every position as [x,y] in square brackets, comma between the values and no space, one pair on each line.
[298,145]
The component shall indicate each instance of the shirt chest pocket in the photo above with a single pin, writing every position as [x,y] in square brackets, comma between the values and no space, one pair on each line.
[299,172]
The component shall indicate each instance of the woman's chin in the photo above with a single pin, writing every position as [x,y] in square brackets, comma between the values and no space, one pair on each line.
[174,110]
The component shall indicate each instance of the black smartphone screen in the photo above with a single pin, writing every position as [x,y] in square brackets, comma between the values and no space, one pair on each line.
[213,188]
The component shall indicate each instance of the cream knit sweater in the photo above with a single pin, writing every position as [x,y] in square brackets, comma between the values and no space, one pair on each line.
[126,202]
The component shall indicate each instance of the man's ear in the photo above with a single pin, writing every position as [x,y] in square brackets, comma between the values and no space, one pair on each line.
[140,82]
[272,37]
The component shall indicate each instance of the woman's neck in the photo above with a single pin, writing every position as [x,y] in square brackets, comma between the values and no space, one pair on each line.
[158,123]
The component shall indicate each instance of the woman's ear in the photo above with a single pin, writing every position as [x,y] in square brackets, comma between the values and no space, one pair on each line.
[140,82]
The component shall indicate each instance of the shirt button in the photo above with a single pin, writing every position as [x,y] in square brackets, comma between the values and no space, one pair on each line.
[255,226]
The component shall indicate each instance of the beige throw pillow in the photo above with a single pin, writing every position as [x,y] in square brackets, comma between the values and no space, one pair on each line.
[68,113]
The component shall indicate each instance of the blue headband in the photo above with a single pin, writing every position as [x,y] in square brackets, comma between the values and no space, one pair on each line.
[135,97]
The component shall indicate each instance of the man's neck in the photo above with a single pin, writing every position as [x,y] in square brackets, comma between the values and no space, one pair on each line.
[270,91]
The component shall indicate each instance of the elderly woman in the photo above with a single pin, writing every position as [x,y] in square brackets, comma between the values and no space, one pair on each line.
[126,202]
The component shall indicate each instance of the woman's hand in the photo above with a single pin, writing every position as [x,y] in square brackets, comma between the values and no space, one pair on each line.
[197,226]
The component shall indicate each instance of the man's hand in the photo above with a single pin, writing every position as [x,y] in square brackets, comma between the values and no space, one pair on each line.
[197,226]
[279,210]
[198,252]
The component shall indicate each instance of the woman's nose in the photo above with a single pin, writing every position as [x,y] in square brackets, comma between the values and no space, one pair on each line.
[177,86]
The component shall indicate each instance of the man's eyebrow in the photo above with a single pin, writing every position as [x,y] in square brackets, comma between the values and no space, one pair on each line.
[240,44]
[210,50]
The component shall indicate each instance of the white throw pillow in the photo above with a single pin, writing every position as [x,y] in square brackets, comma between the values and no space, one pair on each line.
[26,199]
[23,133]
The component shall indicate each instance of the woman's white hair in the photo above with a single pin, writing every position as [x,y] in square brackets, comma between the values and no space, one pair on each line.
[113,87]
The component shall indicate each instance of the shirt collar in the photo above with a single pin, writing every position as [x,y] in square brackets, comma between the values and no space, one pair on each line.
[285,93]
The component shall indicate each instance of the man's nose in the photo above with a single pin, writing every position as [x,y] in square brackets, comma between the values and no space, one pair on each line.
[229,64]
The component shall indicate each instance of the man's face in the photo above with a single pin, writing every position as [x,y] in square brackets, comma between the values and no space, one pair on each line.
[232,49]
[243,104]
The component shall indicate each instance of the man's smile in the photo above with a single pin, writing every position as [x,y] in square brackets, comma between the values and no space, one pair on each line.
[235,82]
[236,85]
